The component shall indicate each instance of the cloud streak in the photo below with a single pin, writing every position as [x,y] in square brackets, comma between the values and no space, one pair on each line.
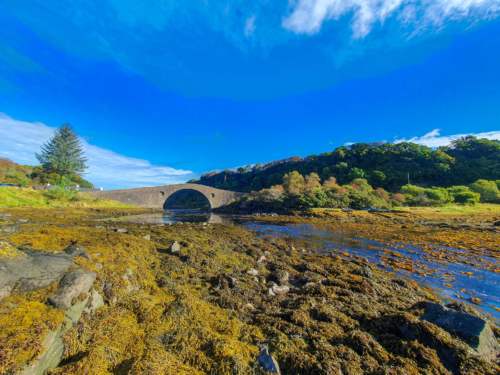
[19,140]
[308,16]
[435,139]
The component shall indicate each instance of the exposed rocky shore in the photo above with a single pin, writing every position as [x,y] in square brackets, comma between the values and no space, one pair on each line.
[81,296]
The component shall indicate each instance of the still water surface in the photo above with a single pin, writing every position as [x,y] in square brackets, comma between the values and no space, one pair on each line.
[453,281]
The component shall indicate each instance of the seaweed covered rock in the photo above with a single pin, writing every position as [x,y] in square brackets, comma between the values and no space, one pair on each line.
[472,329]
[25,270]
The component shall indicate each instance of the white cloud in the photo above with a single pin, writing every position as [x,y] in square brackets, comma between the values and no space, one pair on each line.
[250,26]
[308,16]
[435,139]
[19,140]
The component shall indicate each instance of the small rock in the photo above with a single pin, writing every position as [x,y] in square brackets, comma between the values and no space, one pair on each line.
[75,250]
[175,247]
[366,271]
[109,292]
[224,282]
[253,272]
[121,230]
[267,362]
[95,302]
[72,285]
[147,237]
[250,307]
[278,289]
[262,259]
[475,300]
[401,282]
[309,285]
[281,277]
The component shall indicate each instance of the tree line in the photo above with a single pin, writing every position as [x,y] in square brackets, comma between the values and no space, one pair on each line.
[383,165]
[298,192]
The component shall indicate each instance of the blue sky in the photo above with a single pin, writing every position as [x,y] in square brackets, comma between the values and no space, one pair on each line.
[163,90]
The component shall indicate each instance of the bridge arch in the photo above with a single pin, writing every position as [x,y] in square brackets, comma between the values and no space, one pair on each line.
[155,197]
[188,199]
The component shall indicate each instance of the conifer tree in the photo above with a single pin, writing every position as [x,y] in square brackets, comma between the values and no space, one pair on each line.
[63,154]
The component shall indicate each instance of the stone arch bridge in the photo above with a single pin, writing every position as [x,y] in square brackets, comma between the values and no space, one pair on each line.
[155,197]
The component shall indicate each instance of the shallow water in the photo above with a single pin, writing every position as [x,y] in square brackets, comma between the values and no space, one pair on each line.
[177,216]
[453,281]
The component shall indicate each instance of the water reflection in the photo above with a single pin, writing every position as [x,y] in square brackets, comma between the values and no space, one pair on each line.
[179,216]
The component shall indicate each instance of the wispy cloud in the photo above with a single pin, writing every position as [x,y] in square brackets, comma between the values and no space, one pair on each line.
[308,16]
[435,139]
[19,140]
[250,25]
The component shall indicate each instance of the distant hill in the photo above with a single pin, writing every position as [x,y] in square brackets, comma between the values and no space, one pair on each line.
[13,173]
[24,175]
[384,165]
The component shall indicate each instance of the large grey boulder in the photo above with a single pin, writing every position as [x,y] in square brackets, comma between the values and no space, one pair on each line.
[472,329]
[72,285]
[30,270]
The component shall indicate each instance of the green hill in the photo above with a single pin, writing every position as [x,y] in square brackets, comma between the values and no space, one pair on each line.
[385,165]
[12,173]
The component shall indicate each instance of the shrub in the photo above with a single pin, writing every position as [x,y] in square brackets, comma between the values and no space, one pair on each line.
[463,195]
[415,195]
[355,173]
[398,199]
[314,198]
[378,177]
[487,189]
[330,183]
[420,196]
[438,196]
[294,183]
[61,194]
[382,194]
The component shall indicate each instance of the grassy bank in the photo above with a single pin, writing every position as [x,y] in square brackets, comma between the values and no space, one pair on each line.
[451,209]
[11,197]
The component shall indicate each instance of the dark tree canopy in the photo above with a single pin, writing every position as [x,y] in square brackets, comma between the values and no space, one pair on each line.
[63,154]
[385,165]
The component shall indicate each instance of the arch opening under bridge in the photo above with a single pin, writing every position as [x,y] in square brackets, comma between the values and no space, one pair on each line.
[187,199]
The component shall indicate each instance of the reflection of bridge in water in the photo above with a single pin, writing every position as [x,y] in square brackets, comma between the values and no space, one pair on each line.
[155,197]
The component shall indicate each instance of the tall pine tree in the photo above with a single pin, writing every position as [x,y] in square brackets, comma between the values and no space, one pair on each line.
[63,154]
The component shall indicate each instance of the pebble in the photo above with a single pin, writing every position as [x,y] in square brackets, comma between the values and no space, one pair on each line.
[253,272]
[175,247]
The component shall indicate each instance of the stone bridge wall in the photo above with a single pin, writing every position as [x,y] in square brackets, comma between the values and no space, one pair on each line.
[155,197]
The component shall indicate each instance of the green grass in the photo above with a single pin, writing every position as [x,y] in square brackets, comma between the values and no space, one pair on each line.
[24,197]
[480,208]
